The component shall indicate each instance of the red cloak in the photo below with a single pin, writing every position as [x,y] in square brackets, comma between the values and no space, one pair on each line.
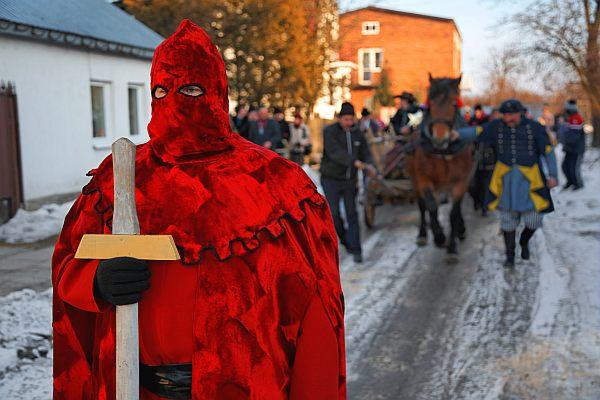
[256,303]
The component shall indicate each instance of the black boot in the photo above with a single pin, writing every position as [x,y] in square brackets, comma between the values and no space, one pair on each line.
[524,242]
[509,243]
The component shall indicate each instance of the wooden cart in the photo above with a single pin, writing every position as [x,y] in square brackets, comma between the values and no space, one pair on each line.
[392,184]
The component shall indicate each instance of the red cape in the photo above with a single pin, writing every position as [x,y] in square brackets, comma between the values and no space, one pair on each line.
[265,252]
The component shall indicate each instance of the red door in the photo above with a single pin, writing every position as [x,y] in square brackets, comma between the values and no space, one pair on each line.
[10,163]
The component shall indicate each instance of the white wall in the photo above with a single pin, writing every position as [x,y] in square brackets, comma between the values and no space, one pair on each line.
[54,107]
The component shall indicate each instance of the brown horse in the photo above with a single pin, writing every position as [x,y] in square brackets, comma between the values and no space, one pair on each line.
[439,164]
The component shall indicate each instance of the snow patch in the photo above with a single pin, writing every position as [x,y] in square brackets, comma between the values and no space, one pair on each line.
[26,345]
[32,226]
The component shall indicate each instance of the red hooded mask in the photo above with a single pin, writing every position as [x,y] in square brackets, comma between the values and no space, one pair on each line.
[190,107]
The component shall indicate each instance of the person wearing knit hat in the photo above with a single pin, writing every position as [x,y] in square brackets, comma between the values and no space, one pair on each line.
[345,151]
[572,137]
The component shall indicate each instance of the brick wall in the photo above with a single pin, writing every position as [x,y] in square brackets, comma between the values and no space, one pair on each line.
[413,46]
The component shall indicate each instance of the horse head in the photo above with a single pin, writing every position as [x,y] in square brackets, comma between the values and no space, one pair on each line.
[443,100]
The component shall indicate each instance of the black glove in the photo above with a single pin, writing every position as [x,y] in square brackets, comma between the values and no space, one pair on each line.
[122,280]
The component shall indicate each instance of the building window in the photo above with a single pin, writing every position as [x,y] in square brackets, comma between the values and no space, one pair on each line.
[99,108]
[134,95]
[370,28]
[369,62]
[102,122]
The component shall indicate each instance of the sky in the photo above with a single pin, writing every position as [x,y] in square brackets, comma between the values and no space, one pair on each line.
[479,22]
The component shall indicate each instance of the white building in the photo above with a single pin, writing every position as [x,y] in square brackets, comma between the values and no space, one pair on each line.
[80,70]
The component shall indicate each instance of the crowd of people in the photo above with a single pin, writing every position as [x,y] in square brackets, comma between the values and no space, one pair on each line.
[346,151]
[272,131]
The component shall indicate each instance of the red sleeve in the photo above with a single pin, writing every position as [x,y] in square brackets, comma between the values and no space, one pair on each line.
[315,374]
[72,279]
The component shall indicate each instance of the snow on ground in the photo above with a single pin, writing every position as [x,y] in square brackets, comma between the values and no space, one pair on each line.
[32,226]
[25,345]
[370,289]
[534,332]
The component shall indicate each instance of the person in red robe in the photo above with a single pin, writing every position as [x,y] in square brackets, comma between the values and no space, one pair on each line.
[254,309]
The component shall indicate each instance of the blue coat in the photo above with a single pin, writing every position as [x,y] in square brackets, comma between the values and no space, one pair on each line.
[518,183]
[572,138]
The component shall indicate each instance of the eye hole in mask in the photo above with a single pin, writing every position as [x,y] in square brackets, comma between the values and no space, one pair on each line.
[159,92]
[191,90]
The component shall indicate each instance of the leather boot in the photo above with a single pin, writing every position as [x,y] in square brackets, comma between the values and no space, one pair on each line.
[524,242]
[509,243]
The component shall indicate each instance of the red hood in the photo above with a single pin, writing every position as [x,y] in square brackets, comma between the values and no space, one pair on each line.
[182,127]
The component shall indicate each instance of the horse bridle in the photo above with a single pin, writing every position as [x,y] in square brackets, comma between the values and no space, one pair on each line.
[429,122]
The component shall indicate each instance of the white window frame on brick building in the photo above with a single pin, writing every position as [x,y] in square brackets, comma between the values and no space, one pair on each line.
[369,65]
[370,28]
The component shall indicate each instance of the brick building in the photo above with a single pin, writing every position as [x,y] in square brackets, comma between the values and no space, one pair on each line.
[408,46]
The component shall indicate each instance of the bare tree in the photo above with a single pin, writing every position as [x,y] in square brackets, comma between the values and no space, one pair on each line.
[565,33]
[503,67]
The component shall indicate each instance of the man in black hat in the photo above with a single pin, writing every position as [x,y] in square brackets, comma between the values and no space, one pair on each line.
[345,151]
[406,104]
[518,187]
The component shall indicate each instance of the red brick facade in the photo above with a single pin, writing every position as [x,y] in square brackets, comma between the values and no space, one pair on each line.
[411,46]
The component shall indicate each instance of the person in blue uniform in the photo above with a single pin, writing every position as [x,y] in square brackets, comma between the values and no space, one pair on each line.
[518,187]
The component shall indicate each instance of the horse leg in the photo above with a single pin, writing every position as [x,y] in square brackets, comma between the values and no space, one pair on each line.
[458,194]
[432,206]
[422,238]
[455,223]
[462,229]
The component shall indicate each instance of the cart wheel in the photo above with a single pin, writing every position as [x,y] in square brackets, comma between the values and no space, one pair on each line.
[370,215]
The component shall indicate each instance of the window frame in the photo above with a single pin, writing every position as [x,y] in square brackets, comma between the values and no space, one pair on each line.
[372,64]
[139,89]
[365,31]
[102,141]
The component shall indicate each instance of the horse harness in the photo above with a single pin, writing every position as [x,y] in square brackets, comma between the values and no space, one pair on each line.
[425,138]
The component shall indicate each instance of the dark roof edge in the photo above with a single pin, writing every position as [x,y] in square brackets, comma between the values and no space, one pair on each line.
[69,39]
[405,13]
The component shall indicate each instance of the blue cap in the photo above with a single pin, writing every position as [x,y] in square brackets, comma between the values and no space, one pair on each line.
[511,106]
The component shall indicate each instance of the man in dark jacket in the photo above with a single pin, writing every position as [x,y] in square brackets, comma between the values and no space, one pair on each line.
[240,121]
[284,126]
[486,161]
[345,151]
[265,132]
[479,116]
